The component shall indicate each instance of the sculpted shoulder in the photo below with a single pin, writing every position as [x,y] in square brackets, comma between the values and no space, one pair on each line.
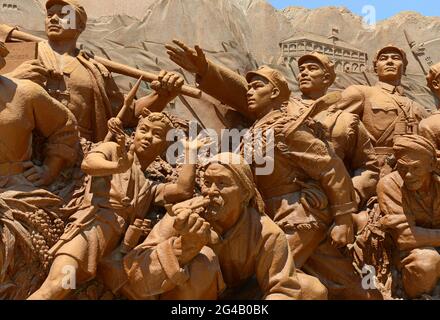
[24,91]
[389,183]
[433,121]
[270,229]
[356,89]
[27,87]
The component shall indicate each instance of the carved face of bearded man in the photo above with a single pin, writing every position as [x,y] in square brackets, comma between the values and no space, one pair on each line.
[226,195]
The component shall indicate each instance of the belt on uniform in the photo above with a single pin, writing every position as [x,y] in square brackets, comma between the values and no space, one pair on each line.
[11,168]
[279,190]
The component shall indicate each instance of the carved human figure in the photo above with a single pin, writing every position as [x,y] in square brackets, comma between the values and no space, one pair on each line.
[25,108]
[430,127]
[384,109]
[298,158]
[117,194]
[193,253]
[344,130]
[409,198]
[81,83]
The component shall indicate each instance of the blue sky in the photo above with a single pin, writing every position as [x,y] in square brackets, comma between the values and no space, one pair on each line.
[384,8]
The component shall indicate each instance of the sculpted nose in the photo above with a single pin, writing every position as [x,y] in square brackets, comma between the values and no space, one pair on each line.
[213,190]
[54,18]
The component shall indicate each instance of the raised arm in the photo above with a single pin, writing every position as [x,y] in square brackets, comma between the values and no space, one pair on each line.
[222,83]
[166,89]
[183,188]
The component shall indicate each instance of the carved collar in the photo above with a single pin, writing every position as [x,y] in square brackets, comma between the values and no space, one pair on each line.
[390,88]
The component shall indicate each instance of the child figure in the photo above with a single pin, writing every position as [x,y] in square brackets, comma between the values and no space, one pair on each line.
[117,194]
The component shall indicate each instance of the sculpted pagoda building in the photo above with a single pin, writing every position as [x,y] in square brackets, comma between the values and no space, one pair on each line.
[346,57]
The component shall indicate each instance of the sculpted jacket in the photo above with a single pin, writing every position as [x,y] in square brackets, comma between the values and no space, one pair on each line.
[303,156]
[255,245]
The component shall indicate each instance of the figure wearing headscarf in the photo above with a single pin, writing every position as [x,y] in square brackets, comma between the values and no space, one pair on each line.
[302,162]
[410,200]
[193,254]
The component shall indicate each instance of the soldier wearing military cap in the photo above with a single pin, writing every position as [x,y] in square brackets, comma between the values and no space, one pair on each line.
[384,109]
[352,144]
[344,130]
[300,159]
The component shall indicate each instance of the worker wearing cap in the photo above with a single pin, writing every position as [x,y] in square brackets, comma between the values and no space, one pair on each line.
[384,109]
[344,130]
[263,97]
[78,81]
[409,200]
[430,127]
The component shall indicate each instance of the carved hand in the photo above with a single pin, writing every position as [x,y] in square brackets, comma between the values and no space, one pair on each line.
[342,233]
[168,84]
[31,70]
[192,60]
[194,235]
[38,175]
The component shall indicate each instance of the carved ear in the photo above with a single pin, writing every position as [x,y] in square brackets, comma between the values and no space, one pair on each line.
[327,77]
[275,93]
[435,84]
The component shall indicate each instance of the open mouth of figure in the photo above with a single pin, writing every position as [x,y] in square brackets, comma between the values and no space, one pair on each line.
[214,207]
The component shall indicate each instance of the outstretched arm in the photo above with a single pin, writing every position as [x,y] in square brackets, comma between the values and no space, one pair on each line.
[219,82]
